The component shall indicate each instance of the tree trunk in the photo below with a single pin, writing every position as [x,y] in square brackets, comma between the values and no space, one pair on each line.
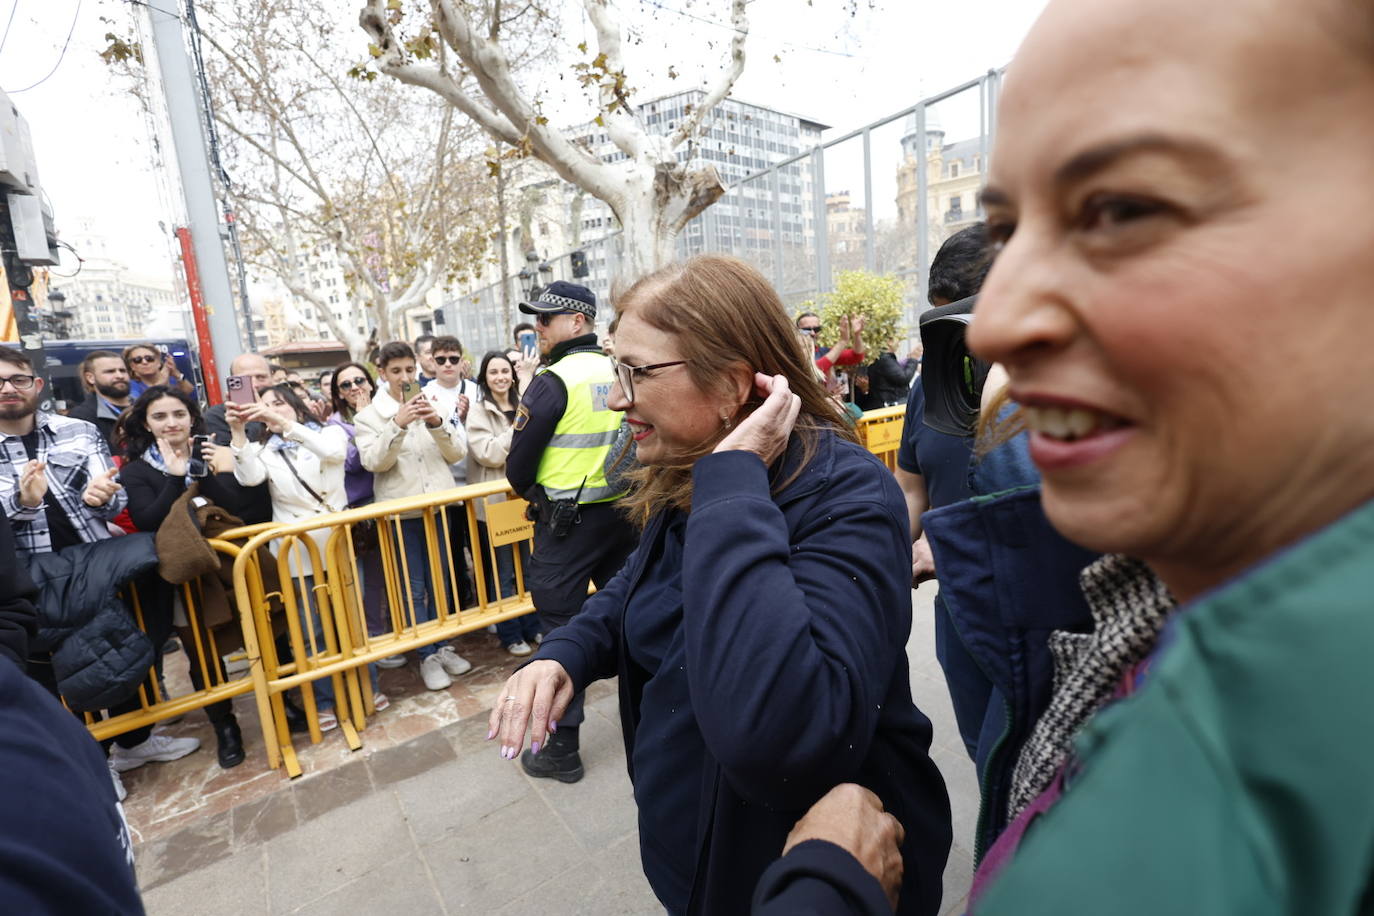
[653,210]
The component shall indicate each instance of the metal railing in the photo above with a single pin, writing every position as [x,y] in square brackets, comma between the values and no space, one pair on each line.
[890,177]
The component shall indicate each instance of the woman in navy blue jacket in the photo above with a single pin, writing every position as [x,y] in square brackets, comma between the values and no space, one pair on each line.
[759,630]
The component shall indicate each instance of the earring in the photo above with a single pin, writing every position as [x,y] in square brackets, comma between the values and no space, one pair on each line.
[725,420]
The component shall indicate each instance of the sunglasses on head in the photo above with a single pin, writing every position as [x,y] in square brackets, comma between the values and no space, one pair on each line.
[544,319]
[448,360]
[346,383]
[143,358]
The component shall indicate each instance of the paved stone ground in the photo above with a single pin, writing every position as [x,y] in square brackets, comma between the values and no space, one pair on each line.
[439,824]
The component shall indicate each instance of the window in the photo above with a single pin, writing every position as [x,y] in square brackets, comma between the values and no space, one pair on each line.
[954,170]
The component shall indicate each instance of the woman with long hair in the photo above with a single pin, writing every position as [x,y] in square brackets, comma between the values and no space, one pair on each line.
[351,387]
[490,427]
[159,433]
[303,465]
[759,630]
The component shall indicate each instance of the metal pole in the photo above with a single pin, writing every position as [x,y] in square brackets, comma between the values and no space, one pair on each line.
[870,242]
[922,213]
[209,370]
[818,210]
[188,136]
[777,230]
[18,281]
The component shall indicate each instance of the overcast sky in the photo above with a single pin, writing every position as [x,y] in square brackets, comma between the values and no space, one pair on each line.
[94,155]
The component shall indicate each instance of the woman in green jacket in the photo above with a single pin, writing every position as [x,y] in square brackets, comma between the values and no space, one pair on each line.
[1183,199]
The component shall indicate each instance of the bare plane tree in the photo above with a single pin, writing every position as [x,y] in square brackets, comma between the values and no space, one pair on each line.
[651,192]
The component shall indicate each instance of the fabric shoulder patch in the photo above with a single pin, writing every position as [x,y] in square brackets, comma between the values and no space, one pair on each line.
[522,416]
[601,395]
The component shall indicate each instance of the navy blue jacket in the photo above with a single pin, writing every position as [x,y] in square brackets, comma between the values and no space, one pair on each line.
[790,657]
[64,845]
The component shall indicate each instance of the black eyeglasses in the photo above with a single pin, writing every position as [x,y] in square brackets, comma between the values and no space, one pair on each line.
[19,382]
[448,360]
[347,383]
[626,374]
[143,359]
[544,319]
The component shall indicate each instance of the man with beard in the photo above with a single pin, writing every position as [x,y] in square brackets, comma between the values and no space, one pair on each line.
[58,488]
[106,381]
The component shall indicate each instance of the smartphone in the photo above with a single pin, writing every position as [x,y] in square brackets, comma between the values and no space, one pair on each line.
[240,389]
[529,341]
[196,466]
[410,391]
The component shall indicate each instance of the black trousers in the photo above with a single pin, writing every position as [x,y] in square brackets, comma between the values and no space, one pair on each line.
[562,567]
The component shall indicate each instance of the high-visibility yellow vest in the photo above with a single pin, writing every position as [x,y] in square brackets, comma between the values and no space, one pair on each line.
[575,458]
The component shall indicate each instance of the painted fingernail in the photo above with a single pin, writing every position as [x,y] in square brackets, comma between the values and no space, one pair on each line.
[491,734]
[553,726]
[534,748]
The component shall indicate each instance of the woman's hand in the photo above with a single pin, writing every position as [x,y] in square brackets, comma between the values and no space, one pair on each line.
[852,818]
[525,367]
[765,432]
[536,697]
[176,459]
[274,421]
[219,458]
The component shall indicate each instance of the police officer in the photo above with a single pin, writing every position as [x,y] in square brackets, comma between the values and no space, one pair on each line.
[564,434]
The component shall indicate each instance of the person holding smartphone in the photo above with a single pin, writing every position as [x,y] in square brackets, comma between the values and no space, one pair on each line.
[150,366]
[165,452]
[409,443]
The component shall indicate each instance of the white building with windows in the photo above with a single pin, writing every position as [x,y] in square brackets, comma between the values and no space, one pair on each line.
[548,218]
[108,301]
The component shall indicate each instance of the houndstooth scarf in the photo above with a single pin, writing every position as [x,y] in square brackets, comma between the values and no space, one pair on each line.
[1129,606]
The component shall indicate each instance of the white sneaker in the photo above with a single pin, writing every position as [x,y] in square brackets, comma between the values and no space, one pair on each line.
[433,674]
[519,649]
[120,792]
[454,664]
[158,747]
[392,661]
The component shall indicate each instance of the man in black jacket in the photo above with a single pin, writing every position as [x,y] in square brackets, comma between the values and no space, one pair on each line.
[105,379]
[257,501]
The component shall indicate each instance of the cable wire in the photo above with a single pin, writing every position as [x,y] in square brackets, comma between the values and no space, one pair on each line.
[60,57]
[14,9]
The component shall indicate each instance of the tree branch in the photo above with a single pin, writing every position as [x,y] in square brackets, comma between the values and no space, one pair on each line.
[739,20]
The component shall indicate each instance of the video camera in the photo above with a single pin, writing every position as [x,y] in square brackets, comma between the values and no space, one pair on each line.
[951,376]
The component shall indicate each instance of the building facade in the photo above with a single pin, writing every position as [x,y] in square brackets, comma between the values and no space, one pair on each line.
[548,218]
[954,177]
[107,301]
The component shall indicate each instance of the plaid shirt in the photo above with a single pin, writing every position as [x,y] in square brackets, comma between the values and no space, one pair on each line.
[72,450]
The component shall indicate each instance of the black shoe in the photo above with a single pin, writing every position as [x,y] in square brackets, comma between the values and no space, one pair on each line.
[230,742]
[296,722]
[558,760]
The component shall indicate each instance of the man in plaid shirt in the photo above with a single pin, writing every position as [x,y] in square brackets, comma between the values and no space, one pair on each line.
[57,481]
[58,487]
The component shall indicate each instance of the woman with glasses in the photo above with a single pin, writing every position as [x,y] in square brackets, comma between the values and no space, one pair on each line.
[759,629]
[303,465]
[490,428]
[149,366]
[351,388]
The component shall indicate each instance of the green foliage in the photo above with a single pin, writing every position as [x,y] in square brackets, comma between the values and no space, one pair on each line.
[877,298]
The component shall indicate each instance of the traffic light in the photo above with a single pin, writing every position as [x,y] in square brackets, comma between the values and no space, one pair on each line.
[579,264]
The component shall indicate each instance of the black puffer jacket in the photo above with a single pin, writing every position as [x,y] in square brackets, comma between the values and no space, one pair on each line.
[99,655]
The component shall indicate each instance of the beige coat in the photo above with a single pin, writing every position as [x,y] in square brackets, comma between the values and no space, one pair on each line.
[489,435]
[406,462]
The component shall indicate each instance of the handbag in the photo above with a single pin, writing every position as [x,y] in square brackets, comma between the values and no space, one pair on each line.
[364,533]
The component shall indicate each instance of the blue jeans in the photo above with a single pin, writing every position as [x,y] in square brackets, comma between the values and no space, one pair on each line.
[422,586]
[969,688]
[519,629]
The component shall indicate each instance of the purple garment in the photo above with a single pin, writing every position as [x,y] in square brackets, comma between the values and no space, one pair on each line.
[357,479]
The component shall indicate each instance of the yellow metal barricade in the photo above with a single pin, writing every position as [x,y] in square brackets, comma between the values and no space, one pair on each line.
[881,433]
[337,621]
[207,643]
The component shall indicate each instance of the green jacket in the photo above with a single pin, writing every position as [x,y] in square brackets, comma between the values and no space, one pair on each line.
[1240,778]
